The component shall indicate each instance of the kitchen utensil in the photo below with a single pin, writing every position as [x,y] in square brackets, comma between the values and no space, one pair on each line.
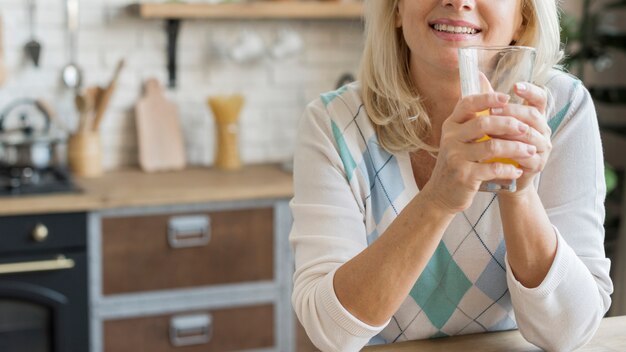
[72,74]
[33,47]
[3,72]
[226,112]
[105,96]
[84,106]
[84,153]
[161,145]
[25,136]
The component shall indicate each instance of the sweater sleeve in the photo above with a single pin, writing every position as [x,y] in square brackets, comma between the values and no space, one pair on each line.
[328,230]
[565,310]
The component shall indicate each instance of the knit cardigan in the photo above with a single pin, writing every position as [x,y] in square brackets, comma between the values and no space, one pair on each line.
[348,190]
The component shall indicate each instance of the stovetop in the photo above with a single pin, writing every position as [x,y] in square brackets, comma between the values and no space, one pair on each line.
[16,181]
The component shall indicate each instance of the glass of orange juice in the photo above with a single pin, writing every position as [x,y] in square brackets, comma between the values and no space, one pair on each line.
[486,69]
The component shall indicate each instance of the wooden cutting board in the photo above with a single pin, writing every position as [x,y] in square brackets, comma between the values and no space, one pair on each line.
[161,145]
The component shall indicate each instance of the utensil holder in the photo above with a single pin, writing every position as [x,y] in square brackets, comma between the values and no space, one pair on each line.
[226,112]
[84,154]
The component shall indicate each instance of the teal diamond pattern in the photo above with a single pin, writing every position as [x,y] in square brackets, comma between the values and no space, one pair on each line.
[439,334]
[555,121]
[441,286]
[327,98]
[346,158]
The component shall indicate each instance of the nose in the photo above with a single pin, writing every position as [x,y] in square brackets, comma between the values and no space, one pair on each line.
[459,5]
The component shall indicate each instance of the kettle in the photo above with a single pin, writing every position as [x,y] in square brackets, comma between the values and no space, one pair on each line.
[25,136]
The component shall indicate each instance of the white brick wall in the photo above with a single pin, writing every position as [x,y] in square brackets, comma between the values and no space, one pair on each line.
[276,91]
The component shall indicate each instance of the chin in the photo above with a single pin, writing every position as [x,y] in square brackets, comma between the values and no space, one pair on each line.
[449,62]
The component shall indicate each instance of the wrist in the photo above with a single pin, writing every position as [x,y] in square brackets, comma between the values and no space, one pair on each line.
[436,204]
[521,195]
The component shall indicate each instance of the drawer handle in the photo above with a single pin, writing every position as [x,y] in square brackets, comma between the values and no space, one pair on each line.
[187,330]
[189,231]
[60,263]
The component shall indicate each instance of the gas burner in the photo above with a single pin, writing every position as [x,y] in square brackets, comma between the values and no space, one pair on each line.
[19,177]
[27,180]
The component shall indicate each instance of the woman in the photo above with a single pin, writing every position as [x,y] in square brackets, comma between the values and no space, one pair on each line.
[392,239]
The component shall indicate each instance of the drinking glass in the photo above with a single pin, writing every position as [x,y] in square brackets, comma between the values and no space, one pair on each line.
[486,69]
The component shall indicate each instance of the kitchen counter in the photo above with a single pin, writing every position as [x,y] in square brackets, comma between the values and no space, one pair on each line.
[611,337]
[134,188]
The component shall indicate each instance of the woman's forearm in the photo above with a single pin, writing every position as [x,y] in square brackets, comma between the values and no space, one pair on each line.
[372,285]
[530,239]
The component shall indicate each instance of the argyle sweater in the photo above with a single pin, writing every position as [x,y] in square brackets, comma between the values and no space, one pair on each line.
[348,190]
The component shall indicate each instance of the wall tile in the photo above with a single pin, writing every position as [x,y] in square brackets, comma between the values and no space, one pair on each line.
[276,91]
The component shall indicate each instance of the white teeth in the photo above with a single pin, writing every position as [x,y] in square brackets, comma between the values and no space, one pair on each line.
[454,29]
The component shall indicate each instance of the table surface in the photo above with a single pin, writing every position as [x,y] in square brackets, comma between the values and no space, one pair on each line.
[611,337]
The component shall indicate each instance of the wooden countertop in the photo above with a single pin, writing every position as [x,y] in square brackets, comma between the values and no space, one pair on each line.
[134,188]
[611,337]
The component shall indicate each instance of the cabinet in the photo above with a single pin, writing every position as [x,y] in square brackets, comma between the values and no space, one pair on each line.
[200,277]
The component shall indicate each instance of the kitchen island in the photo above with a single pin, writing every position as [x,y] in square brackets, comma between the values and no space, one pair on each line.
[611,337]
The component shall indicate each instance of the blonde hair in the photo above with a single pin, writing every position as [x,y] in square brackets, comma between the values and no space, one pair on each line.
[392,101]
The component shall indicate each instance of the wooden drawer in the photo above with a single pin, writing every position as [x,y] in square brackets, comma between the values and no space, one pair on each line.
[138,253]
[222,330]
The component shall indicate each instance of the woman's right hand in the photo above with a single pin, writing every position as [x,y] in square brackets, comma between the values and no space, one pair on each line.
[460,167]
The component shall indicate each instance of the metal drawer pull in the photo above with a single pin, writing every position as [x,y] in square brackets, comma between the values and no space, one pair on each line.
[187,330]
[60,263]
[189,231]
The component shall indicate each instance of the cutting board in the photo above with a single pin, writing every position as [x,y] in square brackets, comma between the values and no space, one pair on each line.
[161,145]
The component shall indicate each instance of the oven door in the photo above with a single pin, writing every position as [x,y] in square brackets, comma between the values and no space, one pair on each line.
[43,303]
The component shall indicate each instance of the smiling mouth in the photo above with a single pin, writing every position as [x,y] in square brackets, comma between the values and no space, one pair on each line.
[445,28]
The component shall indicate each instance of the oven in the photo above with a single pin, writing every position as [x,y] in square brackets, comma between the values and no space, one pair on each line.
[43,283]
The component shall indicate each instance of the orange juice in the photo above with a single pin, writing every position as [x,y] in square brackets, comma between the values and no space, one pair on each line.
[486,138]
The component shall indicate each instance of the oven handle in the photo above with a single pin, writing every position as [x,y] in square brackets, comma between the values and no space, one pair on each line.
[60,263]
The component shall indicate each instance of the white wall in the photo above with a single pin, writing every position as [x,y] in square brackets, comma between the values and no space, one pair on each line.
[276,91]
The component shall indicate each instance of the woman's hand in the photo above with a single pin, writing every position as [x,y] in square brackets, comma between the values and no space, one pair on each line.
[461,167]
[533,114]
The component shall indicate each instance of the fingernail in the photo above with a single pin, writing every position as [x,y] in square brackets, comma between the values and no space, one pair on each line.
[503,98]
[531,149]
[521,86]
[497,111]
[519,172]
[522,127]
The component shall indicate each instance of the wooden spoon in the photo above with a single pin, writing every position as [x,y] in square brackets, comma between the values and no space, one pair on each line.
[105,96]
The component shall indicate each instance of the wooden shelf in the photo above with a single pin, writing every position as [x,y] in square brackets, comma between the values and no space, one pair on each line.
[252,10]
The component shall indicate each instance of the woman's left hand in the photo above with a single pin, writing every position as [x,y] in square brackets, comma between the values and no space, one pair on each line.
[533,113]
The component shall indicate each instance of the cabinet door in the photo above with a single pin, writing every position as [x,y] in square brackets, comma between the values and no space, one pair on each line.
[222,330]
[146,253]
